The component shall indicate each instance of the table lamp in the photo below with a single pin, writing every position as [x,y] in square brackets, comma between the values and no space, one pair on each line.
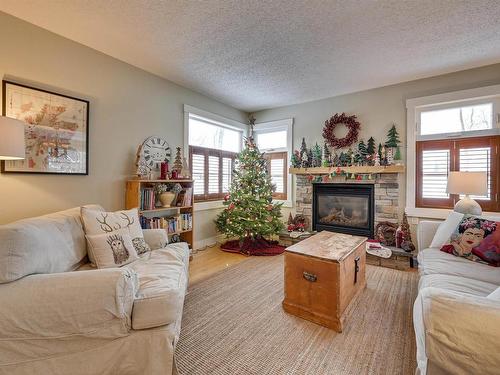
[12,143]
[467,183]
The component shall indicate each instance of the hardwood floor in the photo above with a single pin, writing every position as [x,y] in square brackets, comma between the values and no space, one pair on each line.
[210,261]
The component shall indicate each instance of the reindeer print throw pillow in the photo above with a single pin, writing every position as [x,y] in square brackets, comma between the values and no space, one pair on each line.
[113,249]
[98,222]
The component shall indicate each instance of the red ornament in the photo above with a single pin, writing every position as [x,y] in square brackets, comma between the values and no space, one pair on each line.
[310,177]
[226,197]
[349,122]
[231,207]
[338,171]
[359,177]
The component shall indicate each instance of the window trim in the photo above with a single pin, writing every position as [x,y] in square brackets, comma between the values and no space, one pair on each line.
[411,137]
[216,120]
[276,125]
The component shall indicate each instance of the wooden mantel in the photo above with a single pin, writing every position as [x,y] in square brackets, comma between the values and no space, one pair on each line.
[354,169]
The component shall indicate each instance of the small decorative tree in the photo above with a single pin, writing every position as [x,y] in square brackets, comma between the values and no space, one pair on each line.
[371,146]
[397,155]
[380,154]
[389,156]
[178,160]
[363,152]
[327,156]
[316,155]
[310,158]
[303,149]
[295,159]
[304,160]
[376,162]
[392,137]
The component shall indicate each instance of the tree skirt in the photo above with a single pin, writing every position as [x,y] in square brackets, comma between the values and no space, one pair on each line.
[255,247]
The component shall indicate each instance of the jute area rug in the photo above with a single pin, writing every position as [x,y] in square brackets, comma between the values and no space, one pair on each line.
[234,324]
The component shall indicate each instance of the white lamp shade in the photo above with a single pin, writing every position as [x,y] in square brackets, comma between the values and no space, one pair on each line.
[467,183]
[12,143]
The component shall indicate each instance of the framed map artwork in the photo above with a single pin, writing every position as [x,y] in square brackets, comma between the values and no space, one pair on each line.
[56,130]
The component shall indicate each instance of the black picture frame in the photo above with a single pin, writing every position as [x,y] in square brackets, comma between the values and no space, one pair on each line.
[5,168]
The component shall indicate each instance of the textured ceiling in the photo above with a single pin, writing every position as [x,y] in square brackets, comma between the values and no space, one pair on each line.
[255,54]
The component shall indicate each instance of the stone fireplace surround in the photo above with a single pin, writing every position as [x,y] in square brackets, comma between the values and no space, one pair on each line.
[386,196]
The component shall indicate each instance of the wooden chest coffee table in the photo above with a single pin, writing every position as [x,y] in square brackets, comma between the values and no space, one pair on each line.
[323,273]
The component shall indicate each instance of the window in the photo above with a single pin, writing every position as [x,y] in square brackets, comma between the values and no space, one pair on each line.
[275,140]
[214,143]
[455,131]
[436,158]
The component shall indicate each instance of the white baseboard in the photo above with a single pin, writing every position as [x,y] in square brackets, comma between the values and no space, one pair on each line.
[210,241]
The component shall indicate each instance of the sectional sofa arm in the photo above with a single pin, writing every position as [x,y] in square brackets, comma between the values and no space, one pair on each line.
[425,233]
[95,303]
[155,238]
[457,333]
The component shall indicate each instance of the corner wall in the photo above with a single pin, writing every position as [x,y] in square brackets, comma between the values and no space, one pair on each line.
[126,106]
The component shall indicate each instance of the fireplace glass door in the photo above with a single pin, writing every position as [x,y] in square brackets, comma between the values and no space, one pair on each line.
[345,208]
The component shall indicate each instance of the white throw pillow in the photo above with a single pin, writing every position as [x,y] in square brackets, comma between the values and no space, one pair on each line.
[98,222]
[113,249]
[445,229]
[495,295]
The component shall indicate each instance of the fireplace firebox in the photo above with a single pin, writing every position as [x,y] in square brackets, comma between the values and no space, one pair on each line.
[344,208]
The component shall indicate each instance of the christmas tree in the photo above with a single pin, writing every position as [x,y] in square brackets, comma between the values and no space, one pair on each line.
[249,212]
[178,160]
[371,146]
[380,154]
[310,158]
[316,155]
[392,137]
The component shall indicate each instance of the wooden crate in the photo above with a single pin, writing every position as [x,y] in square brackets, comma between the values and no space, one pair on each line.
[323,274]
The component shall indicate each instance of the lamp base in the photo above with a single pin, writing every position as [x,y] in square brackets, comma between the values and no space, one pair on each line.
[468,206]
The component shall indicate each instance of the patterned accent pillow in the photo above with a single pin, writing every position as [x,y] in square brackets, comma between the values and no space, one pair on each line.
[476,239]
[99,222]
[113,249]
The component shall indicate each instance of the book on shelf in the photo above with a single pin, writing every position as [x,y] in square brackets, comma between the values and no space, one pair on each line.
[173,224]
[184,198]
[148,199]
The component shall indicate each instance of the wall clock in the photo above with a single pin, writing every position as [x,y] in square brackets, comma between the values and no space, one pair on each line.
[153,151]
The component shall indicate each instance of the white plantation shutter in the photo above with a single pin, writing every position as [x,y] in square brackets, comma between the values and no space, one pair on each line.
[276,166]
[436,158]
[477,160]
[226,174]
[277,174]
[198,171]
[212,172]
[435,168]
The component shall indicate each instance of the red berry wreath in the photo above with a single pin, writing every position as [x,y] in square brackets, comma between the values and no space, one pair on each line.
[329,130]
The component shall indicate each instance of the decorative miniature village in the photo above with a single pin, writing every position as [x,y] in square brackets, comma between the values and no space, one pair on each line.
[364,154]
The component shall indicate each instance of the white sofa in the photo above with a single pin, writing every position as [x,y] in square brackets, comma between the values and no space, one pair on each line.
[60,316]
[457,328]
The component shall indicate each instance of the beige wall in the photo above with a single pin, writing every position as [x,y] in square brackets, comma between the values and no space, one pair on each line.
[126,105]
[376,109]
